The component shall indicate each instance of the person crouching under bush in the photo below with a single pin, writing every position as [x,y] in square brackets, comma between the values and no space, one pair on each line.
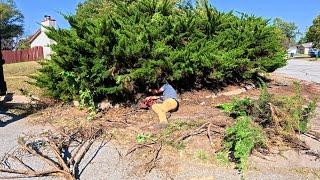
[170,102]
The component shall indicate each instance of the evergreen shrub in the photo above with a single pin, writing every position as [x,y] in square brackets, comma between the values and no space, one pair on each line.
[133,43]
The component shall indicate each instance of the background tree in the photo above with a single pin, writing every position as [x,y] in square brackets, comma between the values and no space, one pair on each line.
[23,43]
[313,33]
[11,26]
[289,31]
[303,39]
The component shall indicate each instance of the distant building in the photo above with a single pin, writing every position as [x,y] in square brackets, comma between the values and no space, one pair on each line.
[39,38]
[304,48]
[292,51]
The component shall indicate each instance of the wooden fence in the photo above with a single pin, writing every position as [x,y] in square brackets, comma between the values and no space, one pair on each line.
[33,54]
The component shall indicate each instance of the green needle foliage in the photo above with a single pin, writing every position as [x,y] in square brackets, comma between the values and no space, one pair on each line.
[238,107]
[268,118]
[241,138]
[133,43]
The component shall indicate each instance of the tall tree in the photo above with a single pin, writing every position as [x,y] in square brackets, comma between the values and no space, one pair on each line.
[313,33]
[11,26]
[289,31]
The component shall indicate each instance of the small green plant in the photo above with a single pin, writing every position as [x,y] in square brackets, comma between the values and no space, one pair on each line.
[86,101]
[307,113]
[142,138]
[222,158]
[238,107]
[241,138]
[202,155]
[261,107]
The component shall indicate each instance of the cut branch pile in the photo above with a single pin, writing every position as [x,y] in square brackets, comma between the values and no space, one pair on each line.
[61,153]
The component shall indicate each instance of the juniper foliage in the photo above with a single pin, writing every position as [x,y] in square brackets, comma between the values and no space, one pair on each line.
[135,42]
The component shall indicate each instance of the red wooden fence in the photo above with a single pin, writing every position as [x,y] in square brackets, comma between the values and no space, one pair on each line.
[33,54]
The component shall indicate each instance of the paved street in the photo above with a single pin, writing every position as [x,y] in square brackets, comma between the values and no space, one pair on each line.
[302,69]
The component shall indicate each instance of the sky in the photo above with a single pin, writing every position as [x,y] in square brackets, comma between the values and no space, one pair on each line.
[300,12]
[34,11]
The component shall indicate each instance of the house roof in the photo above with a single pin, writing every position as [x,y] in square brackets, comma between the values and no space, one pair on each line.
[34,36]
[306,45]
[292,48]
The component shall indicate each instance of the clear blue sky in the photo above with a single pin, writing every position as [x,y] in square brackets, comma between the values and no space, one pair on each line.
[34,11]
[300,12]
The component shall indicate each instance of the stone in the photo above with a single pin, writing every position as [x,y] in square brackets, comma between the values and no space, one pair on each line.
[234,92]
[104,105]
[76,103]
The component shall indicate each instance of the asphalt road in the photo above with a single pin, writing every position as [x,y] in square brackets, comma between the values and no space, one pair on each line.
[302,69]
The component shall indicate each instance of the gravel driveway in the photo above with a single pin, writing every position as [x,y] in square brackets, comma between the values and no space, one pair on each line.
[302,69]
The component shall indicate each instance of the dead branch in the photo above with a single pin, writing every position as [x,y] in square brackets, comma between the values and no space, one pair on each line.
[202,130]
[314,135]
[76,152]
[41,156]
[152,163]
[52,144]
[312,153]
[78,159]
[139,146]
[23,163]
[296,143]
[274,115]
[29,173]
[209,135]
[57,153]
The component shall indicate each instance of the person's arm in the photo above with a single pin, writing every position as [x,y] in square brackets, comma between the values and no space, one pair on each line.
[152,97]
[156,91]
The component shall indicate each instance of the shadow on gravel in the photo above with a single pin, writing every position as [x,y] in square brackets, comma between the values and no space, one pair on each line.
[11,112]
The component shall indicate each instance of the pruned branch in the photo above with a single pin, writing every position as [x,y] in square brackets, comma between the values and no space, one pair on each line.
[52,144]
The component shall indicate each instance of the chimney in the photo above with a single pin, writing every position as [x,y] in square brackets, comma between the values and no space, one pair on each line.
[47,22]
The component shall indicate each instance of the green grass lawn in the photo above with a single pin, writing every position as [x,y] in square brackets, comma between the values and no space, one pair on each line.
[16,76]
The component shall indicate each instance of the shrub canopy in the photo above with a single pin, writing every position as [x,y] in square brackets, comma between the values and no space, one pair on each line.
[134,43]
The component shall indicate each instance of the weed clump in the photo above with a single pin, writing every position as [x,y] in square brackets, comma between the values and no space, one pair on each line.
[241,138]
[238,107]
[267,118]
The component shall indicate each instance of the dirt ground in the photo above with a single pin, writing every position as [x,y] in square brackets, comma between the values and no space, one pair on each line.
[125,124]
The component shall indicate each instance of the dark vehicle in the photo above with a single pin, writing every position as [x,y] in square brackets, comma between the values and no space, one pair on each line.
[314,52]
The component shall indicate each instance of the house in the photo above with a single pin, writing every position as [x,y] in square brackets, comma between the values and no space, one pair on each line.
[304,48]
[39,38]
[292,51]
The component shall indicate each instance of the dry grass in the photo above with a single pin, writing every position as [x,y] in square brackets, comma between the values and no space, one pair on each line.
[16,76]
